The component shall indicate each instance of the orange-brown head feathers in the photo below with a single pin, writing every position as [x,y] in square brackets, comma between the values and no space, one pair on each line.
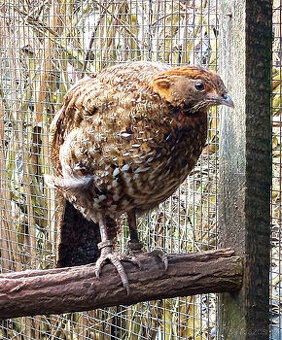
[192,87]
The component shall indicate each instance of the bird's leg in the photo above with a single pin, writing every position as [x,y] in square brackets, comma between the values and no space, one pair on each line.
[134,245]
[107,253]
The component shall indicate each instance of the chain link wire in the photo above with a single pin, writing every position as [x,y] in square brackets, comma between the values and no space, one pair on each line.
[45,47]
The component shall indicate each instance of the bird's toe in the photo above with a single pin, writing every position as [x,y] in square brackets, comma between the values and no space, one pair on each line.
[134,250]
[116,259]
[161,255]
[107,255]
[99,265]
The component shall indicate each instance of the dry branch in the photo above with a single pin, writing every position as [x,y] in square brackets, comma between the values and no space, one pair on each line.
[71,289]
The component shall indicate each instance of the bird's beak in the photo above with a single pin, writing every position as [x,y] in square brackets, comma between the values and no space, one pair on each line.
[226,100]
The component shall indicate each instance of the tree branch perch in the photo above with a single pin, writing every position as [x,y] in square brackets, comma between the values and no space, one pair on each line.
[75,289]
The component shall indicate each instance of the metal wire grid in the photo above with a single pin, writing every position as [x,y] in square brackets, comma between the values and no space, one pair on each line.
[45,47]
[276,206]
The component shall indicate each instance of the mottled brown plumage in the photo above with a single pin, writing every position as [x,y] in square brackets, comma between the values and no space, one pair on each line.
[127,137]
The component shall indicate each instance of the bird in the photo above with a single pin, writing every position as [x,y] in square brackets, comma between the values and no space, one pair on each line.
[124,140]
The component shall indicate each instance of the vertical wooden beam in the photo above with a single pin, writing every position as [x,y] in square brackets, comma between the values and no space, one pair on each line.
[245,163]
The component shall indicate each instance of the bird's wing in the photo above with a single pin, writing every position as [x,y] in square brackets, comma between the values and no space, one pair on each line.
[78,237]
[69,116]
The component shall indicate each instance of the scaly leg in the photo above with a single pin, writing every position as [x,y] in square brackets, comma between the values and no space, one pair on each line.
[107,253]
[134,245]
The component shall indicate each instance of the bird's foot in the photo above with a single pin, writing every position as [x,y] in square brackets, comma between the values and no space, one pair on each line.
[107,254]
[161,255]
[134,250]
[134,247]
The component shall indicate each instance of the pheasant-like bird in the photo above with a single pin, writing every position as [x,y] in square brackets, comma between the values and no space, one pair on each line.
[126,138]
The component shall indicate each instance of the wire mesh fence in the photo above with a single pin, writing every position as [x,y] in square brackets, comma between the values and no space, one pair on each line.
[46,46]
[276,206]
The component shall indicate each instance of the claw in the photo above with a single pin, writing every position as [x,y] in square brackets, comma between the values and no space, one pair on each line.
[162,256]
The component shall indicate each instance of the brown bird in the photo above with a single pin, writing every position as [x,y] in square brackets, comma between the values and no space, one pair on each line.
[126,138]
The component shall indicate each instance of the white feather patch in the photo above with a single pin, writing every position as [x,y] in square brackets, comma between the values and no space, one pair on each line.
[69,183]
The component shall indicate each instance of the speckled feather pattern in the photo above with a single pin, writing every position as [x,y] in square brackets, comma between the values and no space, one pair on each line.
[117,144]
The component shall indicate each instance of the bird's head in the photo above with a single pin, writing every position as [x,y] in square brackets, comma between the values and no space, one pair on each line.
[192,87]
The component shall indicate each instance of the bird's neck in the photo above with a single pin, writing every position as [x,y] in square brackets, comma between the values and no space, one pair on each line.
[185,122]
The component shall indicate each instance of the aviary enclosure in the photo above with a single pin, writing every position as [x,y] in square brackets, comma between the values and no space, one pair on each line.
[45,46]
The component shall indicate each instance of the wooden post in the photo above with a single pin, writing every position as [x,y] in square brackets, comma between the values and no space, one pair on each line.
[245,163]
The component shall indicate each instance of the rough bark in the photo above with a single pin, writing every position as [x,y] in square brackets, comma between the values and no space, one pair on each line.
[70,289]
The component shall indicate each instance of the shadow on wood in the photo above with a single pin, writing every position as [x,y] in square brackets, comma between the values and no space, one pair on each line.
[74,289]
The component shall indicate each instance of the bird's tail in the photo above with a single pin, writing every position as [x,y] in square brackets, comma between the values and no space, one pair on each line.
[78,238]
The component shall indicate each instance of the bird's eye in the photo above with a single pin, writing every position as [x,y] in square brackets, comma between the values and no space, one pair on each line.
[199,86]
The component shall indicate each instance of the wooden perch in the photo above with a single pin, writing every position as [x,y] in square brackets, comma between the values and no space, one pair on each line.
[74,289]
